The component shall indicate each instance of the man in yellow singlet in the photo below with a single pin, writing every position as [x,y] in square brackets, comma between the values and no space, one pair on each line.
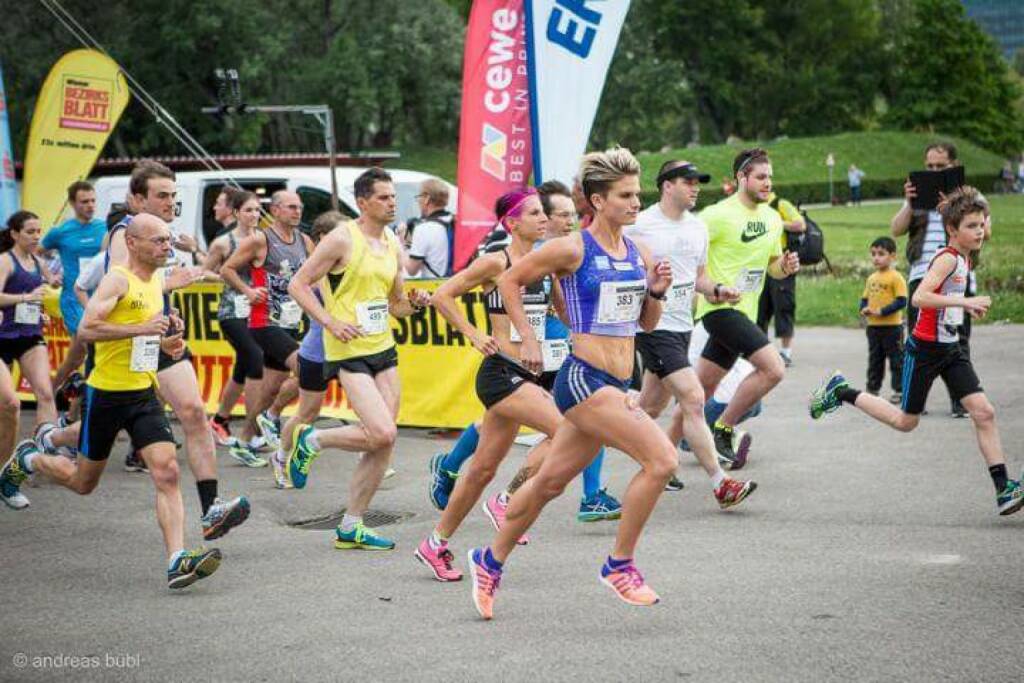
[125,320]
[360,266]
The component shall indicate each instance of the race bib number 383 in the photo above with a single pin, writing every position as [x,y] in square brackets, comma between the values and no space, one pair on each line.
[621,301]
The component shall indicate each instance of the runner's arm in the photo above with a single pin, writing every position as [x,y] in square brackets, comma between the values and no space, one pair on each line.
[400,304]
[214,259]
[249,250]
[7,299]
[560,255]
[117,249]
[333,252]
[485,269]
[659,278]
[924,296]
[781,267]
[94,325]
[558,302]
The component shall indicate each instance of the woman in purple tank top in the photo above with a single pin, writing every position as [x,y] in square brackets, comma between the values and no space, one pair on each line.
[612,288]
[22,277]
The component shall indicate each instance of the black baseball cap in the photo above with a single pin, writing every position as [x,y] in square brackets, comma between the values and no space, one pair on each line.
[684,171]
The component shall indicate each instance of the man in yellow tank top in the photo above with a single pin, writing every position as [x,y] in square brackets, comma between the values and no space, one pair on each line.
[362,285]
[125,319]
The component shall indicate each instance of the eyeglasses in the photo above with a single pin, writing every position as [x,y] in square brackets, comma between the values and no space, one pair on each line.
[421,195]
[293,207]
[567,215]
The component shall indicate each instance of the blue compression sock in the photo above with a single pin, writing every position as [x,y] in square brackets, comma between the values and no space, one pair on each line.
[592,475]
[462,450]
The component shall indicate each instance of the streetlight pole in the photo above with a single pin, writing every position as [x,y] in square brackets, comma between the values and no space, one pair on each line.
[321,112]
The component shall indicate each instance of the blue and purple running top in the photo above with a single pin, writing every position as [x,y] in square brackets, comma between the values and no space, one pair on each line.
[605,295]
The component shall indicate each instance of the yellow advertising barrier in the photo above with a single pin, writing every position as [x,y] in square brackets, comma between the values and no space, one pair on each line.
[76,111]
[436,364]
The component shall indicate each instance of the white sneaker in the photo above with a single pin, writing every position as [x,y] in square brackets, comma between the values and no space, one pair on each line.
[280,477]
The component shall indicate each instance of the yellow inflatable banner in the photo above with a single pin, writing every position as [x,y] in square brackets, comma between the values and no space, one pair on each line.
[436,364]
[76,110]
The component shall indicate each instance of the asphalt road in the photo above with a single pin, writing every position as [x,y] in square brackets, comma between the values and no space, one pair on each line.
[865,555]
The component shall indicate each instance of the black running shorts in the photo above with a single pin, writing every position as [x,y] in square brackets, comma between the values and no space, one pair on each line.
[106,413]
[13,349]
[924,361]
[371,365]
[277,344]
[731,334]
[499,378]
[664,352]
[311,375]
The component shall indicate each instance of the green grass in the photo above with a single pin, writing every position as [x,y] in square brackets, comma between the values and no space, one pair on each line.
[881,154]
[823,299]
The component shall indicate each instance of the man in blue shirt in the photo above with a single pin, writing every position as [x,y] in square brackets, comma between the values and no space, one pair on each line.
[76,240]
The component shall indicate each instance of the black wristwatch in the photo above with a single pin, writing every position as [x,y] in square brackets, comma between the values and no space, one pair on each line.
[659,297]
[718,286]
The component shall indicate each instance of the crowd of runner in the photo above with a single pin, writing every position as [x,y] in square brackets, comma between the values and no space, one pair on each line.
[569,312]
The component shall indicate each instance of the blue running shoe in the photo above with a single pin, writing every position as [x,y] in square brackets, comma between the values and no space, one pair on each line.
[825,398]
[1011,498]
[14,473]
[301,456]
[224,516]
[361,538]
[192,565]
[599,507]
[442,482]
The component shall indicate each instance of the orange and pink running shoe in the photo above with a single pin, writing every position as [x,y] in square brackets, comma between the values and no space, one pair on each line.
[733,492]
[495,508]
[628,583]
[485,583]
[438,561]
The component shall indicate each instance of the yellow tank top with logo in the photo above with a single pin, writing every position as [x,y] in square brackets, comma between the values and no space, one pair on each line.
[359,293]
[130,364]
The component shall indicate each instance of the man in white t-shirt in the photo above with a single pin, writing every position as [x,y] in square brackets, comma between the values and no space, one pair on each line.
[670,232]
[429,248]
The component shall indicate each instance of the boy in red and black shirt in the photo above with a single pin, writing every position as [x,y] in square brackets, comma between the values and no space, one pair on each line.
[933,349]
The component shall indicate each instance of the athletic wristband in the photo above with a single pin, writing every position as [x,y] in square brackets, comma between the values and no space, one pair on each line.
[658,297]
[717,289]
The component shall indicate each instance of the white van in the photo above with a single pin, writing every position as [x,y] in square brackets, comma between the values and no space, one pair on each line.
[198,190]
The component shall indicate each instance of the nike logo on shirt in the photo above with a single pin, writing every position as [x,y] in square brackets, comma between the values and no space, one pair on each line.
[753,231]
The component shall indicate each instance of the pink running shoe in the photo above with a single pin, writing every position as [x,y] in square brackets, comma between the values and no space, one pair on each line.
[495,509]
[628,583]
[485,583]
[438,561]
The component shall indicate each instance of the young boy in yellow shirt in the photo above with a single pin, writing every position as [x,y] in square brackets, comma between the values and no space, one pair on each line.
[882,304]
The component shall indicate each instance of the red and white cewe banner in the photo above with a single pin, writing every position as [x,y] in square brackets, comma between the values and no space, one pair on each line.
[494,135]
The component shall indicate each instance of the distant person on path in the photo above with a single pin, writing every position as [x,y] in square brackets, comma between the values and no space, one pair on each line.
[882,304]
[854,176]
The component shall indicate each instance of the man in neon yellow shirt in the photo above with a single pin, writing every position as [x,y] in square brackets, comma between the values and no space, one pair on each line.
[744,246]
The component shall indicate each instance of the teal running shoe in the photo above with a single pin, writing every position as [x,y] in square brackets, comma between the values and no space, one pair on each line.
[361,538]
[1011,498]
[825,398]
[14,473]
[442,482]
[600,507]
[301,456]
[191,566]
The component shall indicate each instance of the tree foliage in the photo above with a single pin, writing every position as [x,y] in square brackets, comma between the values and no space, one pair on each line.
[391,69]
[386,67]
